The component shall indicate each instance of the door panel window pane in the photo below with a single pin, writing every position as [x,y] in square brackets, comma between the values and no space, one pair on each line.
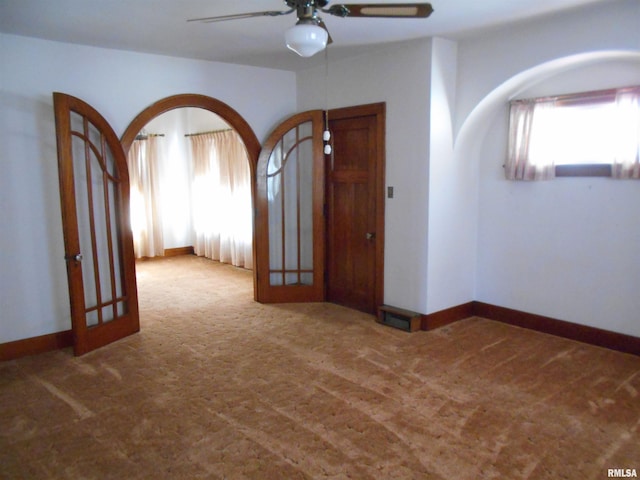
[290,208]
[98,193]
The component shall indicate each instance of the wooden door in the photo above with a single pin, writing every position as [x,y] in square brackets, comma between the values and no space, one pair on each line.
[355,207]
[289,212]
[94,195]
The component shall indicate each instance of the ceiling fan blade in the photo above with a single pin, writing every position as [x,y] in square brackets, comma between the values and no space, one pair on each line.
[385,10]
[322,24]
[237,16]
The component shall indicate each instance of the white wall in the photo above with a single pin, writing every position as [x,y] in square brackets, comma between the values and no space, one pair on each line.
[568,248]
[452,193]
[33,284]
[398,75]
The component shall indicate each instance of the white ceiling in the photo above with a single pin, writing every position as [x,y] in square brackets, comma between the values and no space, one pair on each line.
[160,26]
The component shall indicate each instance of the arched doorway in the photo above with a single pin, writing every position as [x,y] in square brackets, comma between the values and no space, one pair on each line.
[228,114]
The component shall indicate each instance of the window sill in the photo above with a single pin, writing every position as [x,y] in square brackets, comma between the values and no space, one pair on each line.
[585,170]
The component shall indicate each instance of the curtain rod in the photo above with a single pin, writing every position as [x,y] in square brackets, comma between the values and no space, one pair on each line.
[205,133]
[147,135]
[592,95]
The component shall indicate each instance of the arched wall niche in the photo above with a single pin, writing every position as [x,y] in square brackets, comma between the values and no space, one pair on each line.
[224,111]
[478,121]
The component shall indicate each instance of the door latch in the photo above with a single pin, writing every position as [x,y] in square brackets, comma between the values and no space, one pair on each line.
[76,258]
[370,235]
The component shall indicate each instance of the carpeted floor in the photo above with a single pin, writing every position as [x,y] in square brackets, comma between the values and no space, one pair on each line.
[217,386]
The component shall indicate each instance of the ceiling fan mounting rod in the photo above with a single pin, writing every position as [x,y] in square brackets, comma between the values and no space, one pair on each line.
[306,3]
[306,11]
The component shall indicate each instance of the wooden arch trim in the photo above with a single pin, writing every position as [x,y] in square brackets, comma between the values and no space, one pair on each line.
[228,114]
[233,118]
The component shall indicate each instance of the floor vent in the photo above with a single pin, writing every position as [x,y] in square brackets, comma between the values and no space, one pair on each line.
[399,318]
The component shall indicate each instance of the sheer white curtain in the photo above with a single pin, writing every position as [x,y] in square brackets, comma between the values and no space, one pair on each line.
[601,127]
[146,218]
[222,215]
[626,161]
[528,159]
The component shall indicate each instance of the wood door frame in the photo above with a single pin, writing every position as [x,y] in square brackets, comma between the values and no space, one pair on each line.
[229,115]
[379,111]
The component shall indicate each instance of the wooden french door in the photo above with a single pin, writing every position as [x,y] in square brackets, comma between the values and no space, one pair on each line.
[289,212]
[320,219]
[355,207]
[94,195]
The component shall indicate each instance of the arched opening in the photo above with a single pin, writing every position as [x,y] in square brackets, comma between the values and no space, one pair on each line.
[229,115]
[476,124]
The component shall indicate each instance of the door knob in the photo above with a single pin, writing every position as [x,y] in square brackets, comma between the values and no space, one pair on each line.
[370,235]
[76,258]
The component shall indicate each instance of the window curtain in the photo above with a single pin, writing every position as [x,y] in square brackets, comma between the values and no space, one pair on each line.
[146,219]
[222,214]
[527,160]
[626,161]
[547,131]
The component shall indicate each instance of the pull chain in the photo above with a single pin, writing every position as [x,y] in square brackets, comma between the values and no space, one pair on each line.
[326,135]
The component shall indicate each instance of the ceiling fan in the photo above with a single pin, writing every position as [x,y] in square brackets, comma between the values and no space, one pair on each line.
[310,34]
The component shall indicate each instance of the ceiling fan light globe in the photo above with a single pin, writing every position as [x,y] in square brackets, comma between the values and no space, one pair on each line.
[306,40]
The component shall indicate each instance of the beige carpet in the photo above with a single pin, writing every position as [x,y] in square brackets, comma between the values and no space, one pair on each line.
[217,386]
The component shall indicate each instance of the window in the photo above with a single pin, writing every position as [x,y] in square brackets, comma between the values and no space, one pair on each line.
[582,134]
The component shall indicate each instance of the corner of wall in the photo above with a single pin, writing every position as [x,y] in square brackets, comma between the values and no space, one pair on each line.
[450,236]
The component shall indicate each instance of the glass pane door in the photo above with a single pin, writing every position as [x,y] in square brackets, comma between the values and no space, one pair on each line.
[290,212]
